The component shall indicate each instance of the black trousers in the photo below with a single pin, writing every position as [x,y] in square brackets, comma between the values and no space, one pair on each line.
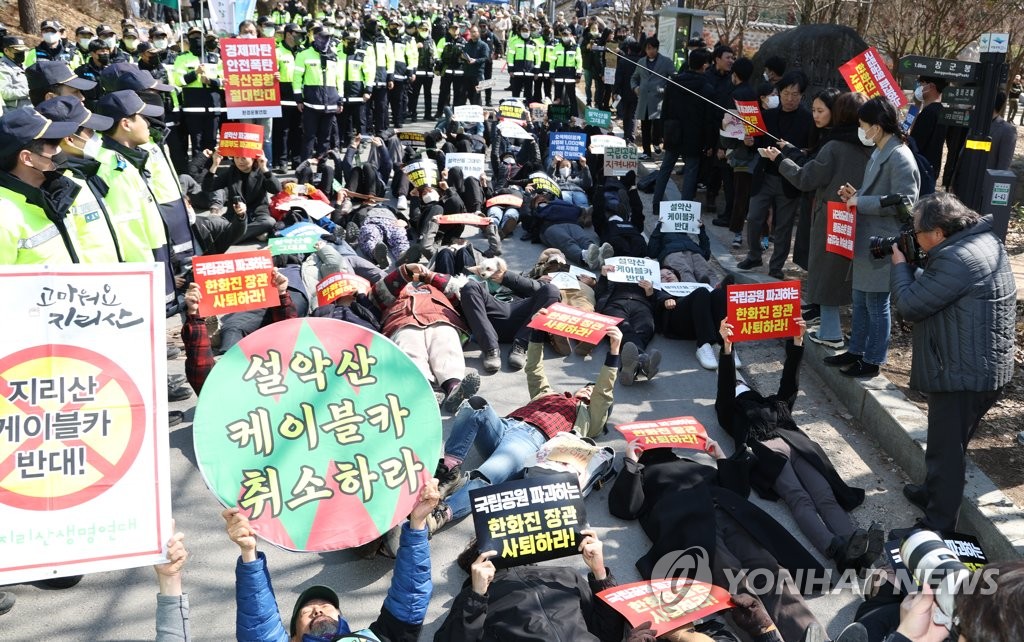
[492,320]
[452,261]
[637,320]
[399,100]
[378,116]
[466,92]
[697,316]
[444,96]
[953,418]
[423,85]
[650,133]
[202,129]
[287,136]
[317,127]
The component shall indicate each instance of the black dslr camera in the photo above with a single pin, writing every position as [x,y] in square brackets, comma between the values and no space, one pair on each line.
[905,239]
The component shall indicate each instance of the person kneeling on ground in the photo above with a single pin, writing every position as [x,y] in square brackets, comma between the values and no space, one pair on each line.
[316,616]
[507,443]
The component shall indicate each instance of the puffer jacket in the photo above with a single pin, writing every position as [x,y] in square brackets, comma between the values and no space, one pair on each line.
[963,310]
[528,603]
[401,617]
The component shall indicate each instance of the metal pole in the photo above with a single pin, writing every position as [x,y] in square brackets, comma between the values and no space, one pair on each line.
[690,91]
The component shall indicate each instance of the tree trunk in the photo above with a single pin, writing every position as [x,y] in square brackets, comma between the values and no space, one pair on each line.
[29,23]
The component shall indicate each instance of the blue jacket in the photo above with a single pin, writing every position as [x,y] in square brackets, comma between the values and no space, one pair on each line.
[401,618]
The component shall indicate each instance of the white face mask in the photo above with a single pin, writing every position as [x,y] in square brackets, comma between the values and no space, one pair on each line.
[430,197]
[51,38]
[863,136]
[525,34]
[765,76]
[919,93]
[268,32]
[110,42]
[564,172]
[92,146]
[84,42]
[247,36]
[772,102]
[160,44]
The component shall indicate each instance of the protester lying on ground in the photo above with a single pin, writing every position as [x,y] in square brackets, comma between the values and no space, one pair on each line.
[532,602]
[634,303]
[789,464]
[507,443]
[317,615]
[694,317]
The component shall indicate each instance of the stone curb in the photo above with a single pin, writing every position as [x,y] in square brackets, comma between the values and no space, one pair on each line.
[900,428]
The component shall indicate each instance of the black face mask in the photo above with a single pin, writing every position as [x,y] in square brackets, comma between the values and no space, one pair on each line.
[195,46]
[59,159]
[19,57]
[103,59]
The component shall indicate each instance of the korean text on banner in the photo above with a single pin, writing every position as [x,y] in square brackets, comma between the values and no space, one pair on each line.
[567,321]
[235,282]
[631,269]
[530,520]
[763,311]
[542,181]
[840,229]
[668,604]
[83,433]
[677,432]
[319,448]
[750,111]
[559,113]
[513,111]
[570,145]
[598,117]
[472,164]
[464,219]
[469,114]
[250,87]
[414,139]
[867,73]
[422,173]
[334,286]
[600,143]
[297,244]
[680,216]
[240,139]
[681,289]
[619,161]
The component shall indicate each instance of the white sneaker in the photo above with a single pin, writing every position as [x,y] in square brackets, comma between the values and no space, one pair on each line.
[706,356]
[606,252]
[403,204]
[592,257]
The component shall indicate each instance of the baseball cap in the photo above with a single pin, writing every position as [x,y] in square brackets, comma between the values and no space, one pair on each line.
[194,30]
[50,24]
[19,127]
[68,109]
[143,47]
[130,31]
[84,29]
[158,29]
[47,73]
[13,42]
[291,27]
[318,592]
[105,29]
[125,75]
[126,103]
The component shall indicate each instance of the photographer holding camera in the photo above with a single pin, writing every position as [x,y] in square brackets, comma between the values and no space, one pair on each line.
[962,306]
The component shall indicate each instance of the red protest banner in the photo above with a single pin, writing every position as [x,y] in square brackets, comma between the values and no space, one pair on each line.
[750,111]
[567,321]
[251,89]
[334,286]
[867,73]
[505,200]
[235,282]
[764,311]
[239,139]
[668,604]
[676,432]
[840,229]
[464,219]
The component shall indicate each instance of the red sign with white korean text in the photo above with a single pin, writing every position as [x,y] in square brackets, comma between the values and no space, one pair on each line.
[251,89]
[867,73]
[668,604]
[340,284]
[464,219]
[764,311]
[676,432]
[235,282]
[566,321]
[840,229]
[750,111]
[239,139]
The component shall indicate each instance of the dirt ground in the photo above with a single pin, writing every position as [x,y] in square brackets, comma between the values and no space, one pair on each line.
[71,15]
[995,448]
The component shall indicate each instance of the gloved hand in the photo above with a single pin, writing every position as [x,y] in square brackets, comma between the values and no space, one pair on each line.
[749,615]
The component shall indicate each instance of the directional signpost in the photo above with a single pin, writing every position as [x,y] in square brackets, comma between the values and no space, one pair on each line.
[956,70]
[959,96]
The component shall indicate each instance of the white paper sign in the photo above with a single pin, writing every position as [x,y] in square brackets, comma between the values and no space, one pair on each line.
[469,114]
[619,161]
[565,281]
[578,272]
[90,491]
[600,142]
[314,208]
[609,75]
[632,269]
[680,216]
[682,289]
[733,128]
[509,129]
[471,164]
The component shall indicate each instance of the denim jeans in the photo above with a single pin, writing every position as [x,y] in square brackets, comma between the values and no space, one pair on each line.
[499,215]
[869,335]
[690,171]
[829,327]
[506,445]
[579,199]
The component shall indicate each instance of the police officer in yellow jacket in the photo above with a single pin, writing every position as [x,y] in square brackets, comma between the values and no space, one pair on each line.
[521,57]
[383,81]
[35,197]
[89,215]
[287,134]
[315,84]
[566,69]
[197,72]
[357,70]
[406,55]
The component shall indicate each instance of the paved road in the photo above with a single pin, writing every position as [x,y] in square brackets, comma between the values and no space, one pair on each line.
[120,605]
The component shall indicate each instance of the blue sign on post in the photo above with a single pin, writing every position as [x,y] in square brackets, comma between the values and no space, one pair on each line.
[570,145]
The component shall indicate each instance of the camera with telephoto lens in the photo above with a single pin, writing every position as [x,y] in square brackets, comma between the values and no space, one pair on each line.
[931,562]
[905,239]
